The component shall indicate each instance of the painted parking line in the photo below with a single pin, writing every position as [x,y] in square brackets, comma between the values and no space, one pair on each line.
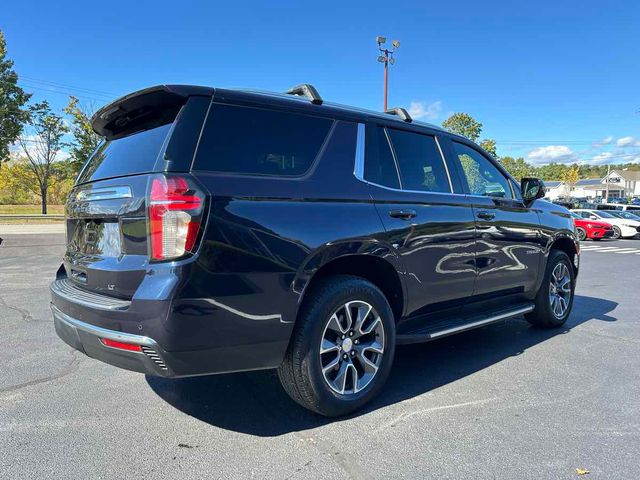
[599,249]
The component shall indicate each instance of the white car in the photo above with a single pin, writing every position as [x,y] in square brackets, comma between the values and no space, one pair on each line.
[622,227]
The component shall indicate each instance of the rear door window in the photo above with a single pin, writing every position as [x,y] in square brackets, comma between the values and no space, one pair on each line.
[379,166]
[420,163]
[130,155]
[256,141]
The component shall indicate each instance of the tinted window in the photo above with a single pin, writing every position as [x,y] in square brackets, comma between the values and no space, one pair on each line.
[420,163]
[125,156]
[260,142]
[379,166]
[482,176]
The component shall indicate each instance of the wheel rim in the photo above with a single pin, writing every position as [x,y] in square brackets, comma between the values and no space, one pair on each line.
[616,232]
[352,347]
[560,290]
[581,234]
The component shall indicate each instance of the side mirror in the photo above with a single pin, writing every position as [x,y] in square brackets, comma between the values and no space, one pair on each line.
[532,189]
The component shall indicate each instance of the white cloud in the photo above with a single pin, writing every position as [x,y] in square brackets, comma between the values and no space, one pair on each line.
[429,111]
[602,158]
[552,153]
[604,141]
[628,142]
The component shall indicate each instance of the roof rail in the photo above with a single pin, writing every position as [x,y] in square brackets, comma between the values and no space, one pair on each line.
[400,112]
[306,90]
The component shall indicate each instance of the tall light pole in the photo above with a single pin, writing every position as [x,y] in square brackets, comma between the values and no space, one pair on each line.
[386,57]
[606,197]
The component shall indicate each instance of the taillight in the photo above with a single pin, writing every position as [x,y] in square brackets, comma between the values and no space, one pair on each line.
[175,212]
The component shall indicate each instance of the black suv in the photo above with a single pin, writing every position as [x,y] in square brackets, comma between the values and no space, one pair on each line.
[224,230]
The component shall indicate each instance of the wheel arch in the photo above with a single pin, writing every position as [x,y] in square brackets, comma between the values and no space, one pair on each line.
[568,245]
[372,261]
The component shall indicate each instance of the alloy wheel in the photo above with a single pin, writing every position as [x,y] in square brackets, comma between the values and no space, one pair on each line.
[352,347]
[616,232]
[560,290]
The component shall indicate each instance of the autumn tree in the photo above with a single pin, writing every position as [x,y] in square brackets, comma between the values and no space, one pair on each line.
[12,100]
[41,147]
[85,140]
[571,176]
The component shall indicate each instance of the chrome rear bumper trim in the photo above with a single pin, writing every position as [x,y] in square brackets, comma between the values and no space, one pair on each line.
[103,332]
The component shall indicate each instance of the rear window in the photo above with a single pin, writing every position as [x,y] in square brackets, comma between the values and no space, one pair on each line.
[260,142]
[125,156]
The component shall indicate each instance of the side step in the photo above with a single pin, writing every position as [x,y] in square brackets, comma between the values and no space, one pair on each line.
[443,329]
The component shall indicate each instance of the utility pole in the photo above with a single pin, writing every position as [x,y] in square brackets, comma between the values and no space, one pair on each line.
[606,198]
[386,58]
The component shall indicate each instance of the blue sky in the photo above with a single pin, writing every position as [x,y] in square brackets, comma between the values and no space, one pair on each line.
[549,80]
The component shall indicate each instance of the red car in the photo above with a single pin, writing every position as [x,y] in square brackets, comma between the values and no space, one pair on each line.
[591,228]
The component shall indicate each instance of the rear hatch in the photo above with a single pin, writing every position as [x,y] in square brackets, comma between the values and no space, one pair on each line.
[134,201]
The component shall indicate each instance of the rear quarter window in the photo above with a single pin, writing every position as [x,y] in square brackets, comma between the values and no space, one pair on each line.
[254,141]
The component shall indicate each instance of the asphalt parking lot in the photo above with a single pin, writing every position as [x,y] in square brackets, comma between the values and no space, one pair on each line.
[506,401]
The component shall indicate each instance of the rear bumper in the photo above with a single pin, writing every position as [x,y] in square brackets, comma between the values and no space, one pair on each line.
[178,338]
[87,339]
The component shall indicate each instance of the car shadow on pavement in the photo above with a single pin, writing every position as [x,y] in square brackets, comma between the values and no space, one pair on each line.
[255,403]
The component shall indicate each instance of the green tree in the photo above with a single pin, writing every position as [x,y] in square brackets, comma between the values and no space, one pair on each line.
[42,147]
[518,167]
[463,124]
[552,171]
[85,140]
[467,126]
[12,99]
[489,145]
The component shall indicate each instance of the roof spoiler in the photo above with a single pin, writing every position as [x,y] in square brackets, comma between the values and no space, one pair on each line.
[143,110]
[400,112]
[308,91]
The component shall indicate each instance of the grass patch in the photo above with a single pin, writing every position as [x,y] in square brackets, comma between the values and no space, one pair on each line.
[29,209]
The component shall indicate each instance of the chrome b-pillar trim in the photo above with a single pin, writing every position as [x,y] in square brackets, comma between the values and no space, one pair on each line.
[359,160]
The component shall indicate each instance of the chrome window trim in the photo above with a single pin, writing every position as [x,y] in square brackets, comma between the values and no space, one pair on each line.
[394,156]
[359,167]
[444,161]
[358,170]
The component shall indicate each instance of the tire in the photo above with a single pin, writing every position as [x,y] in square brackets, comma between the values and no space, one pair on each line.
[616,232]
[323,320]
[581,233]
[544,315]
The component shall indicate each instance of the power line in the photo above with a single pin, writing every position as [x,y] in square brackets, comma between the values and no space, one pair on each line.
[67,86]
[66,93]
[67,90]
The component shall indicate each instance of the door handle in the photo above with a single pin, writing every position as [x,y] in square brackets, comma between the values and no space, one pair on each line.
[486,215]
[405,214]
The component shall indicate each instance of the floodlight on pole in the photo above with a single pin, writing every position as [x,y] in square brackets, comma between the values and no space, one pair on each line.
[386,58]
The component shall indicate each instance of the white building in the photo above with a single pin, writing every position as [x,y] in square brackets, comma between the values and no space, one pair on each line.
[555,189]
[622,183]
[628,180]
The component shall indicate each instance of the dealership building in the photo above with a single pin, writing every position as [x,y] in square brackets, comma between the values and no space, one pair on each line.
[621,183]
